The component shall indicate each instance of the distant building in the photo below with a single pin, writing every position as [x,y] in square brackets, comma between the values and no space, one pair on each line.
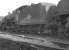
[63,6]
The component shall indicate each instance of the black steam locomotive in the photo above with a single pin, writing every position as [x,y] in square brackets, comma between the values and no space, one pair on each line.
[40,19]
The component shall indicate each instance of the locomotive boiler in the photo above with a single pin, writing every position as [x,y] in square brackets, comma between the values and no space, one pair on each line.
[41,19]
[31,18]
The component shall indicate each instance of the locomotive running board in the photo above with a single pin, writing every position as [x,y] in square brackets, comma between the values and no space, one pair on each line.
[34,39]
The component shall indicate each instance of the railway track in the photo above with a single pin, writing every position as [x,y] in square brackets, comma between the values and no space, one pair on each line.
[36,40]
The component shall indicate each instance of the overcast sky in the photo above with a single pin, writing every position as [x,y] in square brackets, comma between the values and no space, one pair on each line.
[9,5]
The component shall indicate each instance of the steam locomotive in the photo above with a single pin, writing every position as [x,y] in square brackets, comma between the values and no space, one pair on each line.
[40,19]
